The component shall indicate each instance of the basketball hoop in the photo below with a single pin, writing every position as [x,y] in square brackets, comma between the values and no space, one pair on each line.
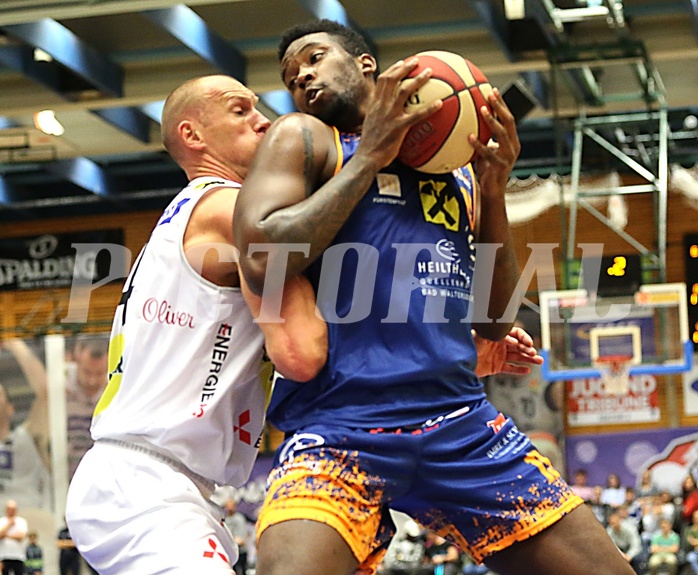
[615,372]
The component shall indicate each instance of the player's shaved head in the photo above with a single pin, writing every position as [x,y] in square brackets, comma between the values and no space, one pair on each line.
[188,103]
[180,104]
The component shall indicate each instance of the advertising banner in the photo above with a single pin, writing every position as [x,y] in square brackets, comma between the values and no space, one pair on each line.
[669,454]
[588,402]
[51,260]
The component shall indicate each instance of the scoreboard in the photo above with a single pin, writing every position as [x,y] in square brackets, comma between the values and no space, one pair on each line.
[619,275]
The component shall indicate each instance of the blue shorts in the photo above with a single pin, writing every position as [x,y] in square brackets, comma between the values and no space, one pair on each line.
[471,476]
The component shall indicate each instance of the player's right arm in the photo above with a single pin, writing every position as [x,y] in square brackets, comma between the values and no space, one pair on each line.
[279,204]
[298,346]
[292,195]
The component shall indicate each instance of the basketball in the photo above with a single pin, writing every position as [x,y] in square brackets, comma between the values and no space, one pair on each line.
[439,144]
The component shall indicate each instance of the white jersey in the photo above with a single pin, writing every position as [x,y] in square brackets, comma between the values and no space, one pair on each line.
[184,359]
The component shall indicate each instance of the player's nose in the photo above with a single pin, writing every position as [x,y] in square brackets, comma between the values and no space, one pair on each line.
[305,76]
[261,123]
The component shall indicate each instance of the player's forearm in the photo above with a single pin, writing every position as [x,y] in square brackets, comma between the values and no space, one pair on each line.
[494,229]
[314,222]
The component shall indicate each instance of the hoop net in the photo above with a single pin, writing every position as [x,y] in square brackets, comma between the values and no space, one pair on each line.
[615,372]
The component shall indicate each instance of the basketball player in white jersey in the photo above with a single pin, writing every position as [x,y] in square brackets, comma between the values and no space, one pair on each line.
[184,407]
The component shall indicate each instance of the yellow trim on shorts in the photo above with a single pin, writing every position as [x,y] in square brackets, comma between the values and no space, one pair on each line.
[287,500]
[485,551]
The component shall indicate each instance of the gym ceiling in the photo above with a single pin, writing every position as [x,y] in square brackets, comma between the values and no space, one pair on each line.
[104,68]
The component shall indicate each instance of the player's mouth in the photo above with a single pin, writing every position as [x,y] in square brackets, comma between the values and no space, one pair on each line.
[311,95]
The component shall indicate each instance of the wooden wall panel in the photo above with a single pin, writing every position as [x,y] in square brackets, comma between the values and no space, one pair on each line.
[36,311]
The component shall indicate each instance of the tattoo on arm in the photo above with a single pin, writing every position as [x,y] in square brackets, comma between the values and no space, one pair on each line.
[309,156]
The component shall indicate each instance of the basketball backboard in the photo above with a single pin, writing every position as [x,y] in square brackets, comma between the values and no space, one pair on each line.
[583,335]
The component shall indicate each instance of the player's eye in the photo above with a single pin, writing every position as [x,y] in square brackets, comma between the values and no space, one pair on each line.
[315,56]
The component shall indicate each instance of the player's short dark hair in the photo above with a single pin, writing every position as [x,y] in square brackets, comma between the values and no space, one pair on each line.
[349,39]
[96,345]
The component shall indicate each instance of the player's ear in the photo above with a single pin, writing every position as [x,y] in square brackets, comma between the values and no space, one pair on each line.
[368,64]
[189,134]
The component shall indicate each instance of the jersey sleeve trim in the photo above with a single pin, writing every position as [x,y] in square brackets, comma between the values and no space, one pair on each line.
[340,151]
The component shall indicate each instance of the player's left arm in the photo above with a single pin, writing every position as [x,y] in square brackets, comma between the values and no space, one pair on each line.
[494,163]
[514,354]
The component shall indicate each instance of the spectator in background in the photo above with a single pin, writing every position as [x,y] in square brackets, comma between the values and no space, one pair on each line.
[691,543]
[669,509]
[599,508]
[646,490]
[86,378]
[405,552]
[652,514]
[34,564]
[239,527]
[627,538]
[441,555]
[70,557]
[13,531]
[69,561]
[613,494]
[631,510]
[24,452]
[580,485]
[690,499]
[664,549]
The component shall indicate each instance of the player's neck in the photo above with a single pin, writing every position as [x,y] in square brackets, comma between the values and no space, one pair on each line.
[213,171]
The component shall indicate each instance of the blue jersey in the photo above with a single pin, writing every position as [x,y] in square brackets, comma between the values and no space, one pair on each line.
[395,287]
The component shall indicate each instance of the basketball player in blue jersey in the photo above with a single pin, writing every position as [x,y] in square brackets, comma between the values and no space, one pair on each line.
[184,408]
[397,418]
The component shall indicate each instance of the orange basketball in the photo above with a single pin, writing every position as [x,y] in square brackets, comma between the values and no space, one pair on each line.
[439,144]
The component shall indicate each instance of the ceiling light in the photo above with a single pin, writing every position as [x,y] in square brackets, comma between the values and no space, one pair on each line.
[46,122]
[579,14]
[41,56]
[514,9]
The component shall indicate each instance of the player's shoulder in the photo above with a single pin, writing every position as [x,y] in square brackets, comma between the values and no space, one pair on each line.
[296,122]
[211,221]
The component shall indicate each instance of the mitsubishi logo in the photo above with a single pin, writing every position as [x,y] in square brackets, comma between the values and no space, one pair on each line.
[214,553]
[243,419]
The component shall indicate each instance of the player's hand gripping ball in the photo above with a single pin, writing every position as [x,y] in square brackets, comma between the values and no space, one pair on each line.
[439,144]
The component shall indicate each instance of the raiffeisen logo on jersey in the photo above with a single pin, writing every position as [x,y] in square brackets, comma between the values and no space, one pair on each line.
[440,204]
